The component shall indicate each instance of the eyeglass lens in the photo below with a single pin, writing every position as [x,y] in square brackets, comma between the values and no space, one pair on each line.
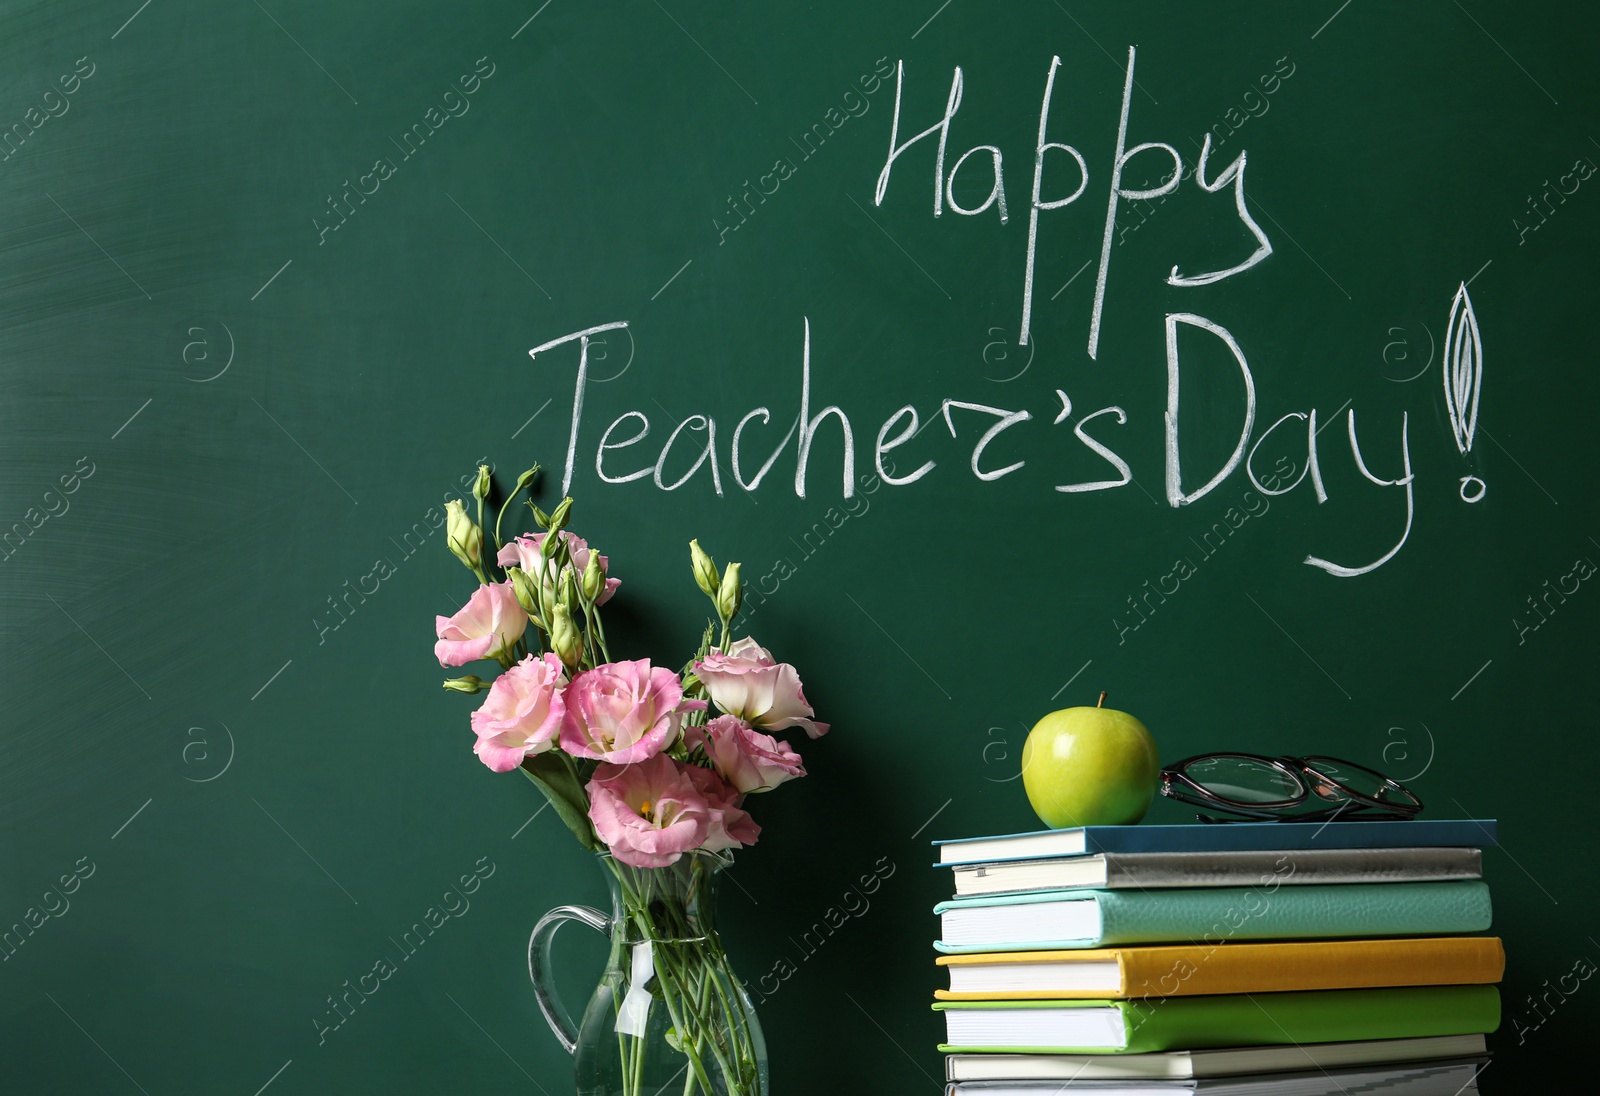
[1244,780]
[1359,780]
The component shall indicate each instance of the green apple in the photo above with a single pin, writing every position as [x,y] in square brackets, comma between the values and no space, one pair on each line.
[1090,767]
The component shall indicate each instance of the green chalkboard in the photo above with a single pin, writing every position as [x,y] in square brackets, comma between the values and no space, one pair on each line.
[1280,432]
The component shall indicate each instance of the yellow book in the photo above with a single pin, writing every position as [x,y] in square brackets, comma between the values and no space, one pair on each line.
[1190,969]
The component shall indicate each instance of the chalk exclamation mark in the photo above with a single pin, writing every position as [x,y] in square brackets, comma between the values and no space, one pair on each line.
[1463,383]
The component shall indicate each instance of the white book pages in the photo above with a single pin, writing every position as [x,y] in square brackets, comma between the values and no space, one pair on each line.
[1183,1064]
[1036,1027]
[1023,923]
[1096,974]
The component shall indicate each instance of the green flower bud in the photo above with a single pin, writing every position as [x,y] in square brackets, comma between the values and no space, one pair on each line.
[705,571]
[594,578]
[469,684]
[540,518]
[480,490]
[527,592]
[463,536]
[551,544]
[527,477]
[730,593]
[565,639]
[558,516]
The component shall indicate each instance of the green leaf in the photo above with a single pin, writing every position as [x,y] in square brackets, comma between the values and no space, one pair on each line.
[560,786]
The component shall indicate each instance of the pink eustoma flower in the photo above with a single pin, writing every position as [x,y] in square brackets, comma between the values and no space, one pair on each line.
[746,758]
[522,714]
[730,825]
[485,627]
[624,711]
[524,553]
[748,683]
[649,813]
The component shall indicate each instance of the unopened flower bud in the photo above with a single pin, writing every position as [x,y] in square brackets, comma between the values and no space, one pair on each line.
[594,579]
[730,593]
[527,477]
[558,516]
[468,684]
[540,518]
[463,536]
[480,490]
[564,637]
[705,571]
[551,544]
[527,592]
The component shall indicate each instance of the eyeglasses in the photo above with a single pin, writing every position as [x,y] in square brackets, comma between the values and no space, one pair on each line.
[1274,789]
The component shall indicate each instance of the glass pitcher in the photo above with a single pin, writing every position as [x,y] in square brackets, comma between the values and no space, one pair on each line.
[668,1016]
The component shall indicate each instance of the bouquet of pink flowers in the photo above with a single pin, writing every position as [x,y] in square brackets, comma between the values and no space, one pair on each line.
[623,749]
[631,759]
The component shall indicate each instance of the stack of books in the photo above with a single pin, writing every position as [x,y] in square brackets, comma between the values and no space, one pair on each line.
[1246,959]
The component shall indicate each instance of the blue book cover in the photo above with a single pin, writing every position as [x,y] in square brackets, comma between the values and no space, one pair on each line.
[1219,837]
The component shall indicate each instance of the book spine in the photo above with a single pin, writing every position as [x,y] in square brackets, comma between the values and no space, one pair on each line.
[1293,867]
[1242,968]
[1247,836]
[1277,1019]
[1216,915]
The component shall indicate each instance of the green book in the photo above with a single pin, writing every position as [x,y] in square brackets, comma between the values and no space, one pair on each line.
[1235,1019]
[1051,920]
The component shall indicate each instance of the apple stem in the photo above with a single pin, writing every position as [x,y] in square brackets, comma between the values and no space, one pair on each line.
[1102,701]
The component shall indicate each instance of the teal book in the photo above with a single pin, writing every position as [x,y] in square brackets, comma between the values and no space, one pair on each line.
[1232,1019]
[1047,920]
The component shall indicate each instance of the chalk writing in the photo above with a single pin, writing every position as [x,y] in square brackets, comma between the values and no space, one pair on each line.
[996,438]
[1118,191]
[1008,428]
[1463,382]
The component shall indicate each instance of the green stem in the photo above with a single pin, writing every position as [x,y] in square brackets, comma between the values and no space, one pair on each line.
[572,767]
[671,976]
[481,546]
[637,1073]
[738,1026]
[588,636]
[599,632]
[686,1035]
[517,490]
[711,1021]
[625,1053]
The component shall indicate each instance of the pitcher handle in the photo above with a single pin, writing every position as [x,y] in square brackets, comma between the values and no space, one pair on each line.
[539,967]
